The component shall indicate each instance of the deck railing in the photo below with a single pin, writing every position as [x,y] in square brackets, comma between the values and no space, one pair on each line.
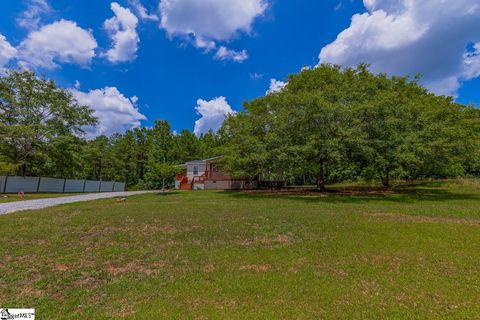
[180,176]
[216,175]
[199,180]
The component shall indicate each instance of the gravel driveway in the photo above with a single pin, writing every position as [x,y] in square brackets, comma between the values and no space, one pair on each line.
[15,206]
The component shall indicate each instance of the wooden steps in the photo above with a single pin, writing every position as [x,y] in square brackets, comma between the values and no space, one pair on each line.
[185,185]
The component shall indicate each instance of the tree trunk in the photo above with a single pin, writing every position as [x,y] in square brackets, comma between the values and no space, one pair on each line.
[321,178]
[386,180]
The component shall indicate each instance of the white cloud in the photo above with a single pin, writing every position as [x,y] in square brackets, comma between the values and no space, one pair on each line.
[406,37]
[208,45]
[31,17]
[276,86]
[471,61]
[210,21]
[224,53]
[141,11]
[115,112]
[212,113]
[60,42]
[7,52]
[387,5]
[122,31]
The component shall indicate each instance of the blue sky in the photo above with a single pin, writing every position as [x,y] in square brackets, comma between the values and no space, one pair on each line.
[135,61]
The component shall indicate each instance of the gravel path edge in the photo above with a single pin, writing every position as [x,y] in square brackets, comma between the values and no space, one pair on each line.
[16,206]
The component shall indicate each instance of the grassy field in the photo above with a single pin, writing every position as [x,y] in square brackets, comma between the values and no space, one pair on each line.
[411,253]
[32,196]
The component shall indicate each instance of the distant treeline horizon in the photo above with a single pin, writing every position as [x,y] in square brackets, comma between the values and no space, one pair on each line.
[329,124]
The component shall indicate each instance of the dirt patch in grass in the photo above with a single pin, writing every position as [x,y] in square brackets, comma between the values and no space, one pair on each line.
[39,242]
[337,271]
[159,264]
[422,219]
[370,288]
[255,267]
[392,263]
[60,267]
[88,282]
[157,227]
[226,304]
[28,291]
[126,310]
[209,268]
[118,269]
[264,240]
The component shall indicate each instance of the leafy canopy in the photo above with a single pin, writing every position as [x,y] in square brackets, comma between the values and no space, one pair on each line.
[36,120]
[331,124]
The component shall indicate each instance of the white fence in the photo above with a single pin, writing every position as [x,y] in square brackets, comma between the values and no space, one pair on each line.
[14,184]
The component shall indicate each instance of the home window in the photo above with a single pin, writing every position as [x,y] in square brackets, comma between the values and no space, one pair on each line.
[195,170]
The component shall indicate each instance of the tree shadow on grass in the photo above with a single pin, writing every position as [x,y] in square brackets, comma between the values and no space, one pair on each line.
[418,192]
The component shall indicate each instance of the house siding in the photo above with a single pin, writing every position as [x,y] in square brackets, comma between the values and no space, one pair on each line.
[217,185]
[209,177]
[202,167]
[228,185]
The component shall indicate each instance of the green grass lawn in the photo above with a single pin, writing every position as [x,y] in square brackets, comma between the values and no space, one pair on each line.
[32,196]
[409,254]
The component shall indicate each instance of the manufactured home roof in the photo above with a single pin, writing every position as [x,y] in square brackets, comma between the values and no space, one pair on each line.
[201,161]
[197,162]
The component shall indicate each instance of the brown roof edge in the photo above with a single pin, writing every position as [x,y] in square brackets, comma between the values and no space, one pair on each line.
[200,161]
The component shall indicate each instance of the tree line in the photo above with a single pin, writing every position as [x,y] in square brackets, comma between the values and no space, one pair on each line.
[333,124]
[42,133]
[329,124]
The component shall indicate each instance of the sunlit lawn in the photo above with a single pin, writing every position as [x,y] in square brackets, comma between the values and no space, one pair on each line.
[409,254]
